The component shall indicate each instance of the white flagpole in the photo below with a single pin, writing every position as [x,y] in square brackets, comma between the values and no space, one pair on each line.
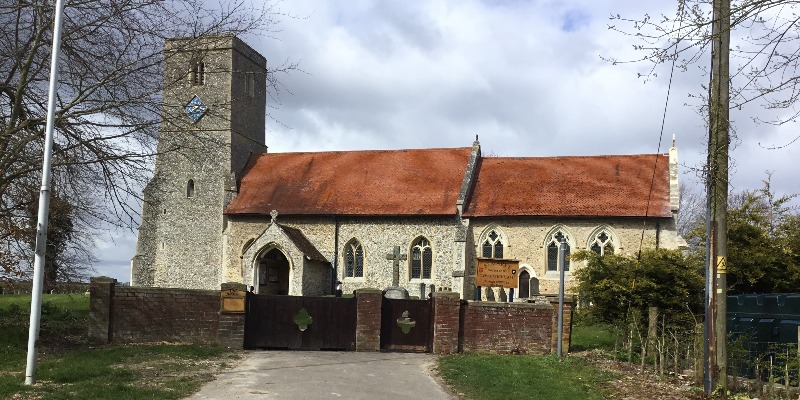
[44,204]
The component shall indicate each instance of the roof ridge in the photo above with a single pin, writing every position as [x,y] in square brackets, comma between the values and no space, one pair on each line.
[368,151]
[589,156]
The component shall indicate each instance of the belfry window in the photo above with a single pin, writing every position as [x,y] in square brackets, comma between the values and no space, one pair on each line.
[552,250]
[492,246]
[190,188]
[602,243]
[353,260]
[250,84]
[198,74]
[421,259]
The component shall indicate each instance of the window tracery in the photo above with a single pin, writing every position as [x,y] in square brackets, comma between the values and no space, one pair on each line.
[553,241]
[421,259]
[492,246]
[354,260]
[602,242]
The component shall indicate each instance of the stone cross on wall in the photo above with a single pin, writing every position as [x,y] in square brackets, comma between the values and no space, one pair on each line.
[396,257]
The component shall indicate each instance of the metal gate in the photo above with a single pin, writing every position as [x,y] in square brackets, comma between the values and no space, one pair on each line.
[406,325]
[299,323]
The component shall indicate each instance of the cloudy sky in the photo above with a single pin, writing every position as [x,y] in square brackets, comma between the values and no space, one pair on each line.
[528,77]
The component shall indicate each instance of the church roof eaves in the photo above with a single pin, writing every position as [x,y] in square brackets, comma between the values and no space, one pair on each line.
[574,186]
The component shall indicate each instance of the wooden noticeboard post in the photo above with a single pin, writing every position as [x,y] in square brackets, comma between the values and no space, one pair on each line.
[492,272]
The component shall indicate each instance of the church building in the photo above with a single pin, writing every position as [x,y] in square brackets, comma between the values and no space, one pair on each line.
[222,208]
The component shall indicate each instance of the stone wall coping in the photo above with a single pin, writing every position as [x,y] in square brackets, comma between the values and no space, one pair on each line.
[568,298]
[495,304]
[102,279]
[142,289]
[446,295]
[233,285]
[368,291]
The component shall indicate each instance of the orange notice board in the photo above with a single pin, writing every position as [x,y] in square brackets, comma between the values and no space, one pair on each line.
[497,273]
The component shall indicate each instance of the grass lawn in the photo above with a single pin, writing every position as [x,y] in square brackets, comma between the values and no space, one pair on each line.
[487,376]
[73,302]
[69,368]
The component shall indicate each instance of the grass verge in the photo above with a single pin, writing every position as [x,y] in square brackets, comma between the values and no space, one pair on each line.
[488,376]
[68,368]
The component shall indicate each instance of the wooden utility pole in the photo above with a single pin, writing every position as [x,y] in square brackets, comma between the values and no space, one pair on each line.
[718,143]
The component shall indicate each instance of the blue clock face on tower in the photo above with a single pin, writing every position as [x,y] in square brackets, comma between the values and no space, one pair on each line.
[195,109]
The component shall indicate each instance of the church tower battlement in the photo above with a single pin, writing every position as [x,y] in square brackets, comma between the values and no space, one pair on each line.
[203,145]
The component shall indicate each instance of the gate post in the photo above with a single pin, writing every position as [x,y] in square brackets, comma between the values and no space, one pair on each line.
[230,332]
[446,322]
[569,304]
[101,298]
[368,319]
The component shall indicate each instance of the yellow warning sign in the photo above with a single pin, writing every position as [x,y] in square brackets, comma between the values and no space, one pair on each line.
[722,265]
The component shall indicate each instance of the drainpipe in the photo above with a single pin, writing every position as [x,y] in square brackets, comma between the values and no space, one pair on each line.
[335,263]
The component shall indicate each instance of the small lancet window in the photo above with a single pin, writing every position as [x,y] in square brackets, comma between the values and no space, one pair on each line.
[492,246]
[198,75]
[250,84]
[552,251]
[190,188]
[354,260]
[602,243]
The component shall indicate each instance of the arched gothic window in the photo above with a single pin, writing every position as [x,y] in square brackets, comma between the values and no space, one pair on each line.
[190,188]
[421,259]
[602,243]
[552,250]
[492,245]
[353,260]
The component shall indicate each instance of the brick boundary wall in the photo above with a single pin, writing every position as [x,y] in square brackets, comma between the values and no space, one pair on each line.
[503,328]
[124,314]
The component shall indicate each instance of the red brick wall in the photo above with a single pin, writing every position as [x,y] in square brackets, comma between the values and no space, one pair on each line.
[368,319]
[124,314]
[164,315]
[506,327]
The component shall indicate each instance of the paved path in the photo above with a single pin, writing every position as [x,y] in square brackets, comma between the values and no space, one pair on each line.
[327,375]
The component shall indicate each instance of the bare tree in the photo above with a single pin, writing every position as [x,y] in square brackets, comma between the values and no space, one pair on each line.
[109,99]
[764,53]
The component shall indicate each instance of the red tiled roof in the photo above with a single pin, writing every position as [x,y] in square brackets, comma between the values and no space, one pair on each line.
[572,186]
[399,182]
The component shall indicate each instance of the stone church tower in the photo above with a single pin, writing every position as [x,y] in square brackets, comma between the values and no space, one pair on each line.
[202,148]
